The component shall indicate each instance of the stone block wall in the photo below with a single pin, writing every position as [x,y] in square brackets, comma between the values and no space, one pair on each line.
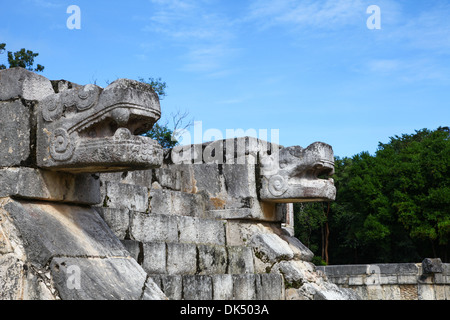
[397,281]
[200,232]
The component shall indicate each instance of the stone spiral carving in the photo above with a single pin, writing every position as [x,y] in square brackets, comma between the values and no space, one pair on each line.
[82,99]
[85,98]
[61,146]
[278,185]
[52,109]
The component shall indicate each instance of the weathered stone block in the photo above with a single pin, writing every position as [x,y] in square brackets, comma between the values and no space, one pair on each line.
[133,247]
[38,184]
[430,266]
[426,292]
[141,178]
[50,229]
[240,180]
[117,219]
[197,287]
[126,196]
[101,279]
[170,179]
[21,83]
[270,286]
[11,285]
[15,133]
[181,258]
[154,257]
[301,251]
[294,273]
[176,202]
[223,286]
[407,279]
[207,178]
[172,285]
[271,248]
[212,259]
[204,231]
[244,286]
[153,228]
[240,260]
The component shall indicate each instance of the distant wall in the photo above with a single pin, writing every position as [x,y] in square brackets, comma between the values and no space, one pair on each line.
[399,281]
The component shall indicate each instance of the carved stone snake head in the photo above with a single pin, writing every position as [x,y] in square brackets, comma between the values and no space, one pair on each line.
[91,129]
[295,174]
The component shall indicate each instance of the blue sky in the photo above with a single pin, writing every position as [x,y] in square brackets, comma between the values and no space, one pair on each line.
[311,69]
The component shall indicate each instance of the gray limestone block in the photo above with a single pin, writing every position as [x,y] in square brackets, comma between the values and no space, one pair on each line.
[167,178]
[394,268]
[301,251]
[223,286]
[60,187]
[15,133]
[172,286]
[293,273]
[152,291]
[430,266]
[150,228]
[140,178]
[50,230]
[181,258]
[163,201]
[21,83]
[101,279]
[240,180]
[39,184]
[133,248]
[269,286]
[204,231]
[212,259]
[207,178]
[240,260]
[244,286]
[271,248]
[11,283]
[197,287]
[126,196]
[154,257]
[117,219]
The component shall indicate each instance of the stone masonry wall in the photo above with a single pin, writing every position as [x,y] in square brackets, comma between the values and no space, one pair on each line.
[397,281]
[199,231]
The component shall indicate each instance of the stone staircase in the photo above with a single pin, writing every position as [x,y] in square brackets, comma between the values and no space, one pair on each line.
[187,255]
[191,248]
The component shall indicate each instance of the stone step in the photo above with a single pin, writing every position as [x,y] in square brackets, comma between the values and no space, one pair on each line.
[178,229]
[191,259]
[267,286]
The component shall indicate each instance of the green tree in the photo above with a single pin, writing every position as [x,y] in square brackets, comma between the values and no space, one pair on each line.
[22,58]
[166,134]
[393,206]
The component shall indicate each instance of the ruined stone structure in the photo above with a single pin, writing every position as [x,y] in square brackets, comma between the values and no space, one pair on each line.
[89,209]
[429,280]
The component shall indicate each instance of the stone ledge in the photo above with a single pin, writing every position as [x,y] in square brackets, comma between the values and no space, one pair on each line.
[36,184]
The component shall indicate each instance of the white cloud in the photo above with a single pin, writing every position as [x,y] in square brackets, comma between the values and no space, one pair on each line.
[199,28]
[327,14]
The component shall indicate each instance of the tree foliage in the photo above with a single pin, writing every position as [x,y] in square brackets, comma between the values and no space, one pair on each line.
[22,58]
[166,134]
[393,206]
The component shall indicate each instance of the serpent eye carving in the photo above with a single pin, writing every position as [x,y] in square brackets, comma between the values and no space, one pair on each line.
[61,147]
[278,185]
